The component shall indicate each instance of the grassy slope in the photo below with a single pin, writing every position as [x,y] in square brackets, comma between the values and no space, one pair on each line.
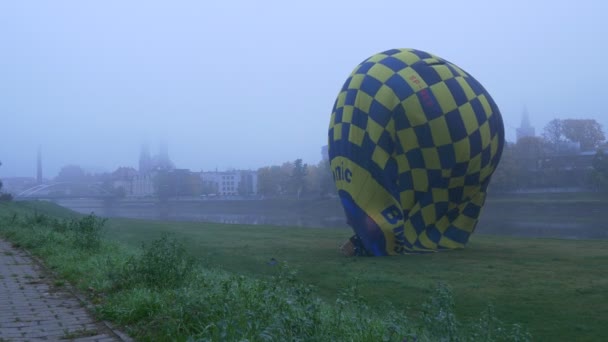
[558,288]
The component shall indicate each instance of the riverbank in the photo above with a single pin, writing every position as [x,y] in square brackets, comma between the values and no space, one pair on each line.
[554,215]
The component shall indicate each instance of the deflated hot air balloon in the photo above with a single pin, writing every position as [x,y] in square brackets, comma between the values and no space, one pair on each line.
[413,143]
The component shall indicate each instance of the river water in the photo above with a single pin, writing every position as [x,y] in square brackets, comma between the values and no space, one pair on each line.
[552,220]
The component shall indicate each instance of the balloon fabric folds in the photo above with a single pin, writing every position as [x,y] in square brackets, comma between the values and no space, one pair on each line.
[413,143]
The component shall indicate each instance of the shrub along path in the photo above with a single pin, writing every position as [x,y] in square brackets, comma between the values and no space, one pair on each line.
[35,308]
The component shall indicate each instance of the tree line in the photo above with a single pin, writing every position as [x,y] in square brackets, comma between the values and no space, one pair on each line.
[569,153]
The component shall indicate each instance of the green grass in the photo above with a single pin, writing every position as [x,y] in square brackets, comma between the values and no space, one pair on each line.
[558,289]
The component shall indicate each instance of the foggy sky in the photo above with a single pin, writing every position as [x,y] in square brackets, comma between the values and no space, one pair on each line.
[244,84]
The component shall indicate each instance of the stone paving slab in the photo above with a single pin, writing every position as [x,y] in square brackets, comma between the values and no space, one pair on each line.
[33,309]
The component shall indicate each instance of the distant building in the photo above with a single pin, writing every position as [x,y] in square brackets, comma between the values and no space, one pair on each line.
[149,164]
[525,129]
[324,153]
[230,183]
[39,166]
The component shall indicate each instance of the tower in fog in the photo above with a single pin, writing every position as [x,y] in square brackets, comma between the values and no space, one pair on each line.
[39,166]
[145,160]
[525,129]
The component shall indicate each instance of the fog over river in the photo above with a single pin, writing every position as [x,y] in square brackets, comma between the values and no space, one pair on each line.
[552,220]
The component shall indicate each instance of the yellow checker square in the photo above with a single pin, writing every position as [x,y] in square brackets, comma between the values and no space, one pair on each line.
[347,114]
[468,91]
[355,81]
[474,164]
[431,158]
[443,224]
[444,97]
[408,139]
[407,57]
[440,195]
[413,79]
[410,232]
[494,145]
[337,131]
[356,135]
[440,131]
[407,198]
[341,99]
[386,96]
[429,214]
[470,191]
[462,150]
[485,104]
[420,179]
[449,243]
[414,112]
[363,101]
[486,172]
[374,130]
[465,223]
[380,72]
[443,71]
[380,157]
[468,118]
[376,58]
[486,135]
[456,182]
[402,163]
[459,71]
[426,242]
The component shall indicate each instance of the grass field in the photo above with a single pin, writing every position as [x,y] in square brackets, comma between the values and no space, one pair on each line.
[558,289]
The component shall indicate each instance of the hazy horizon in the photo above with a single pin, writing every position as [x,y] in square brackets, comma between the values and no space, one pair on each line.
[242,85]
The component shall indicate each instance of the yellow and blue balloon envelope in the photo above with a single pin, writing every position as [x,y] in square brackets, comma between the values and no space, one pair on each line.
[413,143]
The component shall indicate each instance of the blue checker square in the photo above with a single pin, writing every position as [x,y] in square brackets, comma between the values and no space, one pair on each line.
[457,92]
[441,209]
[472,210]
[475,86]
[391,52]
[455,194]
[401,120]
[425,136]
[455,125]
[386,142]
[338,115]
[364,68]
[393,63]
[351,97]
[405,181]
[370,85]
[421,54]
[415,159]
[379,113]
[359,118]
[472,179]
[456,234]
[486,155]
[475,143]
[417,222]
[347,83]
[427,73]
[447,157]
[399,86]
[433,234]
[460,169]
[480,114]
[429,103]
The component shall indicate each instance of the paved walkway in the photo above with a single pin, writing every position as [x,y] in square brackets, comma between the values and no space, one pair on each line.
[33,309]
